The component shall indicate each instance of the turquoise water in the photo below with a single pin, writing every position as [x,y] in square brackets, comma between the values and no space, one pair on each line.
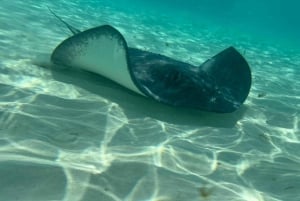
[276,19]
[75,136]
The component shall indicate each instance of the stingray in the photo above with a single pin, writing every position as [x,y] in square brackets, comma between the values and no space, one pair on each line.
[221,84]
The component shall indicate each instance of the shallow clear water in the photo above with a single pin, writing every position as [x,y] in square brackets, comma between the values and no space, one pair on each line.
[74,136]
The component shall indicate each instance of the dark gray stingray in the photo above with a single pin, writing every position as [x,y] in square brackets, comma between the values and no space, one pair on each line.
[221,84]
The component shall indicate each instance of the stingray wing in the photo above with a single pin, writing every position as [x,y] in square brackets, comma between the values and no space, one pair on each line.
[232,79]
[102,50]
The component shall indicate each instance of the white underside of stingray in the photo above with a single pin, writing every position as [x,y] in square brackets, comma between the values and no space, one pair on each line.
[96,51]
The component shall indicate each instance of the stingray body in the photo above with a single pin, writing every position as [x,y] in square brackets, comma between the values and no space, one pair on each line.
[221,84]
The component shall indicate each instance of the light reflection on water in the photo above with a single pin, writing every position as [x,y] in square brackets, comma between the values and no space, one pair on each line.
[70,135]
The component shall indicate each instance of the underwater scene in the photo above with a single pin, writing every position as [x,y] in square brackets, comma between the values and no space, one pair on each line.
[139,100]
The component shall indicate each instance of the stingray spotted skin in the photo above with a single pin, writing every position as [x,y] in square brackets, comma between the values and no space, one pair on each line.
[221,84]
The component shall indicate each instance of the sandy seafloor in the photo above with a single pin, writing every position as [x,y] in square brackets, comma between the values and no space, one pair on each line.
[74,136]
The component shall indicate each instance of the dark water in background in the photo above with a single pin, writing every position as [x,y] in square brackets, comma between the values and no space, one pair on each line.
[276,21]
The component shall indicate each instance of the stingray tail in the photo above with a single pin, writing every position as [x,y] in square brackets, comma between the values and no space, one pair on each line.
[71,28]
